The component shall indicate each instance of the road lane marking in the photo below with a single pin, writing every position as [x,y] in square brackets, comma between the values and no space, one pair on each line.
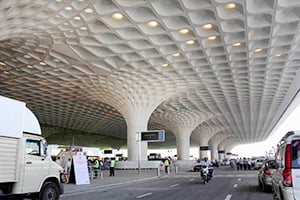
[239,179]
[235,185]
[228,196]
[174,185]
[144,195]
[192,179]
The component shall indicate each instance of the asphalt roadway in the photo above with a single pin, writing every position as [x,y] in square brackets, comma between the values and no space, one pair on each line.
[227,184]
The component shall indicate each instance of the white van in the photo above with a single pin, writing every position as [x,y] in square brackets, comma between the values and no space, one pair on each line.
[286,176]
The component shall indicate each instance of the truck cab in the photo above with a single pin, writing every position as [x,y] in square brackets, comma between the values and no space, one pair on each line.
[26,169]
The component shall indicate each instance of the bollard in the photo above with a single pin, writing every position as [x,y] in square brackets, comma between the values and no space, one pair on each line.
[176,169]
[158,171]
[101,175]
[168,169]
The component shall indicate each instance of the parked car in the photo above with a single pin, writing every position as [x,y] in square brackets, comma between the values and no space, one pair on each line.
[258,163]
[265,174]
[286,176]
[197,168]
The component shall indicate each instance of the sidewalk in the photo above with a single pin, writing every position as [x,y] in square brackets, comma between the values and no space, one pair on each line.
[121,177]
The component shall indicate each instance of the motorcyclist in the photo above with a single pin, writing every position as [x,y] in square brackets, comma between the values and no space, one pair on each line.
[206,163]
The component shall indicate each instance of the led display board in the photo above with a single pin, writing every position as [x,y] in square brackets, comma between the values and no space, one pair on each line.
[153,136]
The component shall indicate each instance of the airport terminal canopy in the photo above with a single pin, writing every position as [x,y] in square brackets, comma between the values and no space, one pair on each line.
[229,68]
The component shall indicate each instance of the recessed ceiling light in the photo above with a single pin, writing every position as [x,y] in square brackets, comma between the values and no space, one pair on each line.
[278,55]
[176,54]
[88,10]
[3,64]
[6,72]
[165,65]
[236,44]
[207,26]
[117,16]
[29,66]
[190,42]
[77,18]
[258,50]
[68,8]
[42,63]
[230,6]
[66,24]
[184,31]
[153,23]
[83,28]
[212,37]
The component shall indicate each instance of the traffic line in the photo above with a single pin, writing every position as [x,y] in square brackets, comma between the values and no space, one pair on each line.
[235,185]
[174,185]
[144,195]
[239,179]
[228,196]
[192,179]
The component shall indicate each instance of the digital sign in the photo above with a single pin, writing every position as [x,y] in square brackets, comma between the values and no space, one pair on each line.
[108,152]
[153,136]
[205,148]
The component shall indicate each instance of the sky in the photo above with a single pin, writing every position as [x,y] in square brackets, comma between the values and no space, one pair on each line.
[290,122]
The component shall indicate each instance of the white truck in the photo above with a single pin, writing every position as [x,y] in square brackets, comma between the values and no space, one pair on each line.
[25,167]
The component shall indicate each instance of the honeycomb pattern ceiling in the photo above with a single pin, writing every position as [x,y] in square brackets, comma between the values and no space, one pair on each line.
[77,63]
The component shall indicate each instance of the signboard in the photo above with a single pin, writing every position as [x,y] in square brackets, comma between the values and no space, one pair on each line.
[205,148]
[108,151]
[81,169]
[153,136]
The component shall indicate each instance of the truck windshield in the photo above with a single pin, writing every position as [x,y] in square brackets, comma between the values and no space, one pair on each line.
[296,154]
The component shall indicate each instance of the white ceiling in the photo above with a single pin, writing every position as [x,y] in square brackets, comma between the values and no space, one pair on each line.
[77,67]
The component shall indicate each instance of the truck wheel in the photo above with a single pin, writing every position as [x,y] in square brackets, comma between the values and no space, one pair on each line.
[50,191]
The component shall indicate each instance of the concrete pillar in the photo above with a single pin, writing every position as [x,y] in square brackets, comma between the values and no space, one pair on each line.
[205,151]
[214,152]
[137,121]
[221,154]
[183,146]
[181,124]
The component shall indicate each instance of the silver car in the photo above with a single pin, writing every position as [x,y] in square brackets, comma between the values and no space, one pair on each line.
[264,175]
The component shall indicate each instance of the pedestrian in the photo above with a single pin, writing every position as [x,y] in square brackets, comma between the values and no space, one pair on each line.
[112,167]
[245,163]
[68,166]
[249,163]
[161,165]
[166,163]
[95,168]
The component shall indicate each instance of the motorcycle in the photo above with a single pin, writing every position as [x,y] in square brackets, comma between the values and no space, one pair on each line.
[205,174]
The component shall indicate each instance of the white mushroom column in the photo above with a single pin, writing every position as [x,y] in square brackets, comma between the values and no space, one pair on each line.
[214,143]
[137,121]
[135,101]
[202,134]
[223,146]
[181,124]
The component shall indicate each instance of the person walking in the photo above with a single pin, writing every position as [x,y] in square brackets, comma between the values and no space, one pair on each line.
[112,167]
[167,163]
[68,166]
[96,168]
